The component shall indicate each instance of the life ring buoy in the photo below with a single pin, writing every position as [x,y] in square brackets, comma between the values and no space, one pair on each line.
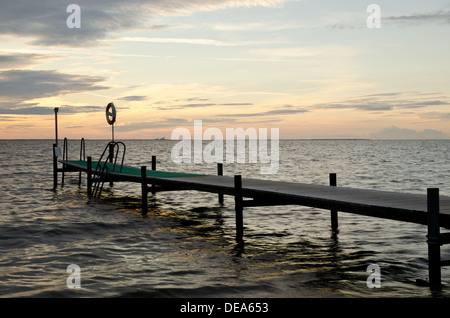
[111,113]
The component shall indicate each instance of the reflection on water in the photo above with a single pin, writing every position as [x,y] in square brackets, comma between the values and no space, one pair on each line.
[185,246]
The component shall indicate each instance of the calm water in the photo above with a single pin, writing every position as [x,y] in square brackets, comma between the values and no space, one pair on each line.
[185,246]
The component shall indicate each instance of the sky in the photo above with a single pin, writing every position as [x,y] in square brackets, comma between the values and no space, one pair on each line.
[312,68]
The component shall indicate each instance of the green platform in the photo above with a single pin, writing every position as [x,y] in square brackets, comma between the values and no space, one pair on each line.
[136,171]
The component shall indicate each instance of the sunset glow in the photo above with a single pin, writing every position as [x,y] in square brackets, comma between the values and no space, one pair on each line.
[313,69]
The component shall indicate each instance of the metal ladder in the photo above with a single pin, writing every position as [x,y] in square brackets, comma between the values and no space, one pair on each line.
[102,170]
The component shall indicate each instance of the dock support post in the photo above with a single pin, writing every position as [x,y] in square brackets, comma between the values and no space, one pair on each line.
[55,168]
[220,173]
[334,214]
[433,240]
[111,155]
[144,190]
[89,176]
[82,158]
[56,125]
[153,169]
[239,207]
[65,157]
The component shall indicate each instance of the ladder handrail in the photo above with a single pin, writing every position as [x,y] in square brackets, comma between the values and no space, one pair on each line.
[82,150]
[82,157]
[65,150]
[102,170]
[114,144]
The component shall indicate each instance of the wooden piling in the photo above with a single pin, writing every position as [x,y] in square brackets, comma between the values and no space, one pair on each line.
[153,169]
[82,158]
[144,190]
[55,167]
[334,214]
[239,207]
[56,125]
[220,173]
[89,176]
[433,240]
[65,156]
[153,163]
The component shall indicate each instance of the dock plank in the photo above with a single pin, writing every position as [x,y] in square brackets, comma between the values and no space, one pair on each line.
[385,204]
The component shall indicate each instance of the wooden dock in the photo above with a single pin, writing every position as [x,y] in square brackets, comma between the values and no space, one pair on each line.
[428,209]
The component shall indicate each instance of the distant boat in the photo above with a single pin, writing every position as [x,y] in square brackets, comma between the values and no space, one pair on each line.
[162,138]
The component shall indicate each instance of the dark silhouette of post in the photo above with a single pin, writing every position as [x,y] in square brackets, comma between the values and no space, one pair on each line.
[220,173]
[82,157]
[89,176]
[433,240]
[144,190]
[153,169]
[111,156]
[56,125]
[334,214]
[55,167]
[55,159]
[239,207]
[65,156]
[153,163]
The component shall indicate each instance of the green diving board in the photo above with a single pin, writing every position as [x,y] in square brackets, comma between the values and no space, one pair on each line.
[126,170]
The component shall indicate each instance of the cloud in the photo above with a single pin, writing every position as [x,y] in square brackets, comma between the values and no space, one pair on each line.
[28,111]
[172,123]
[21,60]
[196,41]
[438,16]
[8,118]
[255,26]
[42,110]
[237,104]
[184,106]
[44,22]
[403,133]
[193,99]
[69,109]
[296,52]
[133,98]
[283,110]
[436,115]
[168,122]
[18,87]
[201,102]
[29,84]
[387,102]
